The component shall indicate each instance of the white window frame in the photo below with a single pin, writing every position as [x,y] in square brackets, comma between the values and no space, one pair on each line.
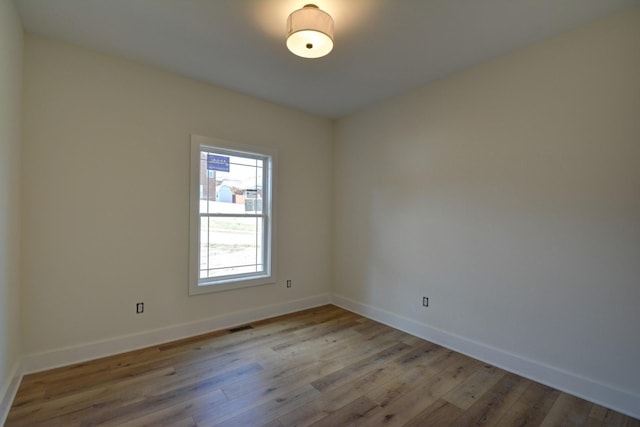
[200,286]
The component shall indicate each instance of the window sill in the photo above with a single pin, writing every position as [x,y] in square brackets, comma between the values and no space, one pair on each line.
[227,285]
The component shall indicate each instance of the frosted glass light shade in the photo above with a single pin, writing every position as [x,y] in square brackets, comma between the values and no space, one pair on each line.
[310,32]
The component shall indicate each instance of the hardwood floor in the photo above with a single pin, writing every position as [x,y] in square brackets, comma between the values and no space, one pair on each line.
[320,367]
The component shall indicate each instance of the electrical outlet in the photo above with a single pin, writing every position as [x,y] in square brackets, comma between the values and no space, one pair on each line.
[288,283]
[139,308]
[425,301]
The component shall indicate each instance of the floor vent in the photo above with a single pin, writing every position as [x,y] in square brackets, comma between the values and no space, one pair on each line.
[239,328]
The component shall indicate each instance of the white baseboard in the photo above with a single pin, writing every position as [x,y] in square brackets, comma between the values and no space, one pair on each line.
[618,400]
[9,392]
[94,350]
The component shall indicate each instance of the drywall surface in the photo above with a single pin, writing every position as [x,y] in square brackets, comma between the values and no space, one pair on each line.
[509,195]
[11,43]
[106,196]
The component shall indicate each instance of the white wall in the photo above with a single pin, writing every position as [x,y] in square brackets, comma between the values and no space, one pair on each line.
[510,195]
[11,43]
[106,196]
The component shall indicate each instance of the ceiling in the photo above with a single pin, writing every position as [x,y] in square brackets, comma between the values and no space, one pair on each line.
[382,47]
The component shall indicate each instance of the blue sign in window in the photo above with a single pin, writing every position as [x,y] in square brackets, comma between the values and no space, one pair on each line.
[217,163]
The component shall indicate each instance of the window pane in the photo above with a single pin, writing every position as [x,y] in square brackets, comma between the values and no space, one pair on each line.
[231,245]
[234,191]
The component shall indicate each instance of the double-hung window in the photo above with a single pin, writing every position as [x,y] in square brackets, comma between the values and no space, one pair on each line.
[232,216]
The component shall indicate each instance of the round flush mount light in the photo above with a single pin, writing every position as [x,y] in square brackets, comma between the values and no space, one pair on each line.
[310,32]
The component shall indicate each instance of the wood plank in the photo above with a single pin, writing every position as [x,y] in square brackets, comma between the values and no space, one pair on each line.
[180,414]
[601,416]
[401,408]
[632,422]
[567,410]
[347,373]
[301,371]
[351,414]
[466,394]
[531,408]
[439,413]
[263,413]
[414,378]
[90,399]
[494,403]
[333,400]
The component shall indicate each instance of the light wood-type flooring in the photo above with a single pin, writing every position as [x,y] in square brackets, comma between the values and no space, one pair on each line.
[321,367]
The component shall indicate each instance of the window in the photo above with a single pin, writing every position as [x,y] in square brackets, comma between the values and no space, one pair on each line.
[231,242]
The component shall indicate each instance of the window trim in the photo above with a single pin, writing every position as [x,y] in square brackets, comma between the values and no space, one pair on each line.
[247,279]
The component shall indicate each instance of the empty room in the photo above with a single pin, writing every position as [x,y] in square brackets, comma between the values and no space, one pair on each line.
[363,212]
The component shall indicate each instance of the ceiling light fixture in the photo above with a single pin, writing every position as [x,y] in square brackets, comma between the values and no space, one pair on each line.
[310,32]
